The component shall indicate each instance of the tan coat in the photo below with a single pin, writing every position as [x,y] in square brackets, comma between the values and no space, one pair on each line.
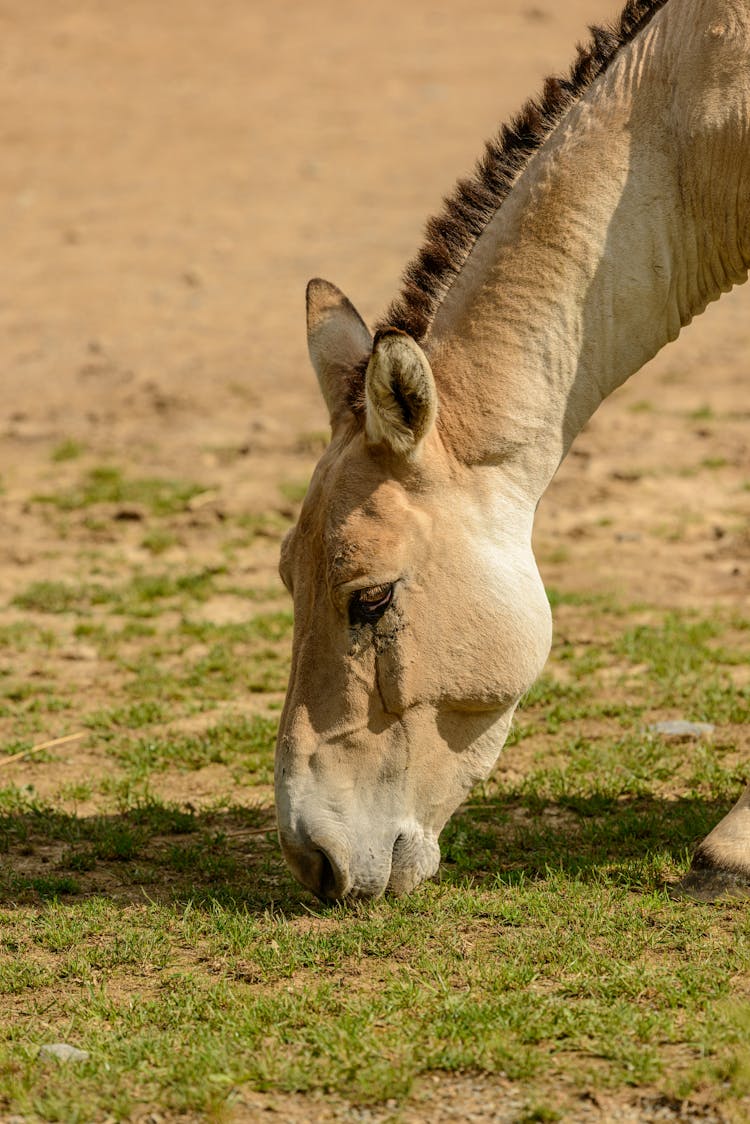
[614,213]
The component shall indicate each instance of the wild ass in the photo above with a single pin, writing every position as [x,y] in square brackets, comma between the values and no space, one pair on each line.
[610,213]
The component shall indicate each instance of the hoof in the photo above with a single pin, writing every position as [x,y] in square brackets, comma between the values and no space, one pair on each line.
[707,882]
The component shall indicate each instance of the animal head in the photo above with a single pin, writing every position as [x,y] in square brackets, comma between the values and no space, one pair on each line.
[420,620]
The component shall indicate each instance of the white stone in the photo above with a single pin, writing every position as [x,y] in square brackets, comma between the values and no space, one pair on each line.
[63,1052]
[678,728]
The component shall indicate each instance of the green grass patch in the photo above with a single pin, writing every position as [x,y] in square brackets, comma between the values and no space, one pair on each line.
[246,529]
[141,595]
[109,484]
[54,597]
[241,741]
[679,646]
[158,540]
[170,942]
[67,450]
[703,413]
[529,981]
[603,602]
[129,717]
[24,636]
[294,490]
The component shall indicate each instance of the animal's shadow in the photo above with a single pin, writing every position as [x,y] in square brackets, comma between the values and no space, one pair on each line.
[638,841]
[232,857]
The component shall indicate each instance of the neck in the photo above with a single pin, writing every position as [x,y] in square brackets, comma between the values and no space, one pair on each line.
[627,222]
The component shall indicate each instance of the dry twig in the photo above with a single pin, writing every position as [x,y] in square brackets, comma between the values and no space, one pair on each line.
[42,745]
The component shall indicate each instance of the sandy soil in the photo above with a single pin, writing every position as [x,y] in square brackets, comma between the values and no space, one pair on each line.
[173,174]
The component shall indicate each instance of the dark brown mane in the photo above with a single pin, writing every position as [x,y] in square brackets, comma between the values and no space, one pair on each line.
[450,236]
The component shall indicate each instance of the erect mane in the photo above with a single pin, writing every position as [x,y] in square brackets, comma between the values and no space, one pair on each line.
[451,235]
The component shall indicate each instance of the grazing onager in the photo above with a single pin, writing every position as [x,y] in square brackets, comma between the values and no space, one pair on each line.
[611,212]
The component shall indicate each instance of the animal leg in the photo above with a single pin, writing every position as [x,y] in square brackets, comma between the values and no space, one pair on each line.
[721,863]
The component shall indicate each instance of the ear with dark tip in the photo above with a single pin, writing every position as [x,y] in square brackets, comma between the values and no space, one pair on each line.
[400,393]
[338,341]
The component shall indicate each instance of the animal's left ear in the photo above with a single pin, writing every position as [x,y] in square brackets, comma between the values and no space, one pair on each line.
[338,341]
[400,392]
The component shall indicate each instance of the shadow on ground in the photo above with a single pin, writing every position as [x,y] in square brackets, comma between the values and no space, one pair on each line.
[169,855]
[639,841]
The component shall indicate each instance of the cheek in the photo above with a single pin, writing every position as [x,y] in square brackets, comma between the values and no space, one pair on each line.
[469,651]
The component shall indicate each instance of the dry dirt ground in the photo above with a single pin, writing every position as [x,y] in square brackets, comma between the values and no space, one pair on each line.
[173,174]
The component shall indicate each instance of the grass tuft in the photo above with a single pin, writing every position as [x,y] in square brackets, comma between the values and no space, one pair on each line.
[108,484]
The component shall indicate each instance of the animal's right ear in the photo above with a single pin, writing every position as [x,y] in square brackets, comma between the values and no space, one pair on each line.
[337,339]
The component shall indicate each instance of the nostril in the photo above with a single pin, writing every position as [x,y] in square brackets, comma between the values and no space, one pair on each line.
[329,881]
[318,869]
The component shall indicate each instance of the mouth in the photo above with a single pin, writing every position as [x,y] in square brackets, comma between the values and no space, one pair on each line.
[333,874]
[414,859]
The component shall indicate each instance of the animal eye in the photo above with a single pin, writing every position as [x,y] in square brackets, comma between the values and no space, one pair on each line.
[368,605]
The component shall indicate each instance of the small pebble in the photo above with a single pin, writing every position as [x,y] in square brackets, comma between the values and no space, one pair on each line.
[63,1052]
[80,652]
[677,728]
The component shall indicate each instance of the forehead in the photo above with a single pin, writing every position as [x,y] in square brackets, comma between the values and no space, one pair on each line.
[355,514]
